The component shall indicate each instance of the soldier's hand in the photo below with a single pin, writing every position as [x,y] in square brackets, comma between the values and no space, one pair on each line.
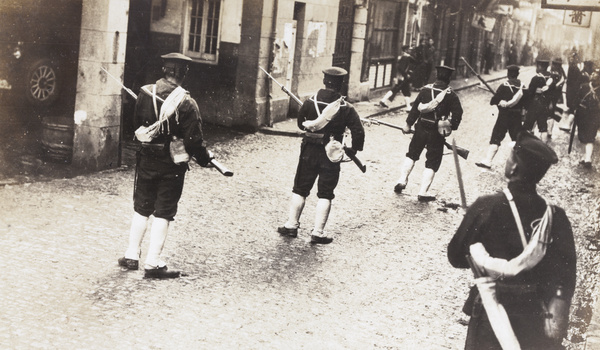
[406,129]
[204,157]
[502,104]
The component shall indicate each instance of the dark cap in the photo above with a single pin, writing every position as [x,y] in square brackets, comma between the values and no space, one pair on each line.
[335,71]
[533,156]
[543,63]
[405,47]
[589,64]
[175,56]
[557,60]
[444,73]
[513,68]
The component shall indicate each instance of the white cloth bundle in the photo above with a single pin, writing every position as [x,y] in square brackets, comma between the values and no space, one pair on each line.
[431,105]
[169,107]
[513,101]
[323,117]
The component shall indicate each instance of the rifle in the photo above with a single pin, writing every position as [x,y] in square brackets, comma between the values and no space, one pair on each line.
[350,155]
[477,74]
[463,198]
[572,134]
[462,152]
[220,167]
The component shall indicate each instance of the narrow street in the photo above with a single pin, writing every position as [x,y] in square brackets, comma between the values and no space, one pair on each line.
[384,283]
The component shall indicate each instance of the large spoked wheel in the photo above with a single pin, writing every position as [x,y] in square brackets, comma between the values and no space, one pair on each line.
[43,83]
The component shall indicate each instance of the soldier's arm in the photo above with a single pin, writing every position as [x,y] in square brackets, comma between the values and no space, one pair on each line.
[456,110]
[497,96]
[565,263]
[303,112]
[414,113]
[468,232]
[356,129]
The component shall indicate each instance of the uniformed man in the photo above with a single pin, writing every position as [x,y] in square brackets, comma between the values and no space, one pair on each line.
[587,117]
[555,92]
[538,103]
[160,172]
[324,117]
[436,112]
[526,251]
[404,74]
[508,98]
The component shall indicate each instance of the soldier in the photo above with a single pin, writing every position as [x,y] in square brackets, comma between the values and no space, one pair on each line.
[574,80]
[555,92]
[526,251]
[508,99]
[160,172]
[403,79]
[324,117]
[587,117]
[436,111]
[538,110]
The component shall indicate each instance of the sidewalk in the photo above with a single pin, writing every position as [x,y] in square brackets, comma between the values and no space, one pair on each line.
[371,109]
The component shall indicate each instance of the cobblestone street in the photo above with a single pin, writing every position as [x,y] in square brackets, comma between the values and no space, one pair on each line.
[384,283]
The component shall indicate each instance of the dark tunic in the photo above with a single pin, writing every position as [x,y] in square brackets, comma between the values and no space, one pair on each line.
[489,220]
[509,119]
[404,74]
[574,80]
[426,132]
[537,104]
[159,181]
[313,160]
[587,114]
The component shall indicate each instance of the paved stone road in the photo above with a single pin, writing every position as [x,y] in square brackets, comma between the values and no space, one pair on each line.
[383,284]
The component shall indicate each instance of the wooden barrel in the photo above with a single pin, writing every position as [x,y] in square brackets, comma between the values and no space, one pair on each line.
[57,139]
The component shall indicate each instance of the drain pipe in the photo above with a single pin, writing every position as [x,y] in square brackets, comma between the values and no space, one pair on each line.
[271,58]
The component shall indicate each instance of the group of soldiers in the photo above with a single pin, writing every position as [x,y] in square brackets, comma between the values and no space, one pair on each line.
[521,246]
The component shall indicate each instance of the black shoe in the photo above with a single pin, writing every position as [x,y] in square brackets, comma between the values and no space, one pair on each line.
[383,104]
[482,165]
[399,187]
[320,240]
[130,264]
[161,273]
[425,198]
[587,165]
[289,232]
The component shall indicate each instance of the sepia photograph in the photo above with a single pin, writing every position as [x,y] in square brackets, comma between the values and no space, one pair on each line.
[317,174]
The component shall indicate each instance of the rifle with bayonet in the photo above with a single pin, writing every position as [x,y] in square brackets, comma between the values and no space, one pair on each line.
[478,76]
[462,152]
[350,154]
[217,165]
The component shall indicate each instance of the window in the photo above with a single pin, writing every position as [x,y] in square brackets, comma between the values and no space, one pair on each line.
[201,34]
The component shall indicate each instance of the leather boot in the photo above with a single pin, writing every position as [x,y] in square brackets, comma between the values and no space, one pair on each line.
[290,228]
[487,161]
[405,171]
[424,195]
[318,235]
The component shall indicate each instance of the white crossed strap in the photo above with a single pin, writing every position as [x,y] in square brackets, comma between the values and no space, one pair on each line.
[324,117]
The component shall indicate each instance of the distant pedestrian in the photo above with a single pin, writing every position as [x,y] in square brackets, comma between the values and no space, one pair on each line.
[429,60]
[402,83]
[420,56]
[525,249]
[512,54]
[538,103]
[587,117]
[508,98]
[324,117]
[161,165]
[526,54]
[487,62]
[435,113]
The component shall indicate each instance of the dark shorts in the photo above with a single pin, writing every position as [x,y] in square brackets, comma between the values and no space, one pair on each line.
[539,113]
[506,122]
[157,191]
[314,163]
[403,86]
[430,138]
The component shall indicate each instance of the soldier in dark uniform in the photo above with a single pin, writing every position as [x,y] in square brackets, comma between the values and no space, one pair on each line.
[325,117]
[508,98]
[574,79]
[587,117]
[540,294]
[538,103]
[436,111]
[158,179]
[555,92]
[403,79]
